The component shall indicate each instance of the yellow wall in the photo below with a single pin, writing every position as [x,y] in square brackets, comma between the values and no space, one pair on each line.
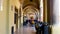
[7,19]
[11,13]
[3,18]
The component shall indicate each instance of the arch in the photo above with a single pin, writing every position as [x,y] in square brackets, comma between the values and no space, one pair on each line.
[31,7]
[31,4]
[36,11]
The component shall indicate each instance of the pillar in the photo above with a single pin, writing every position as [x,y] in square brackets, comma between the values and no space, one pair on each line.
[56,15]
[41,10]
[45,10]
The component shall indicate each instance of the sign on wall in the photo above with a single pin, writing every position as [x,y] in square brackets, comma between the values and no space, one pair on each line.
[1,5]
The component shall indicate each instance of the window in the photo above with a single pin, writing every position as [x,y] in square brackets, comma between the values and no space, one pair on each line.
[16,16]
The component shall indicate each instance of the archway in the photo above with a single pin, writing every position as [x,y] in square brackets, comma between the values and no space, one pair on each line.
[30,11]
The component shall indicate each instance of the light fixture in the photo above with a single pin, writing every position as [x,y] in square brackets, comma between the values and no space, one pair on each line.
[31,0]
[1,5]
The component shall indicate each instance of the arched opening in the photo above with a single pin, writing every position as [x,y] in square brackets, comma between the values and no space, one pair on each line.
[30,11]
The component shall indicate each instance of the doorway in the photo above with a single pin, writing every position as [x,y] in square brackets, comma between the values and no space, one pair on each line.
[16,18]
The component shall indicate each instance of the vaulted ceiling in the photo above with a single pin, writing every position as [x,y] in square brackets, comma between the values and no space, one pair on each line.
[34,3]
[30,6]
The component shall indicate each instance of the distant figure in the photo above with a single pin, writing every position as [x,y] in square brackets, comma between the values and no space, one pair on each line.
[39,28]
[31,21]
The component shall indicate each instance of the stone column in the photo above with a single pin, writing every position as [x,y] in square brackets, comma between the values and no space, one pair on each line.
[41,10]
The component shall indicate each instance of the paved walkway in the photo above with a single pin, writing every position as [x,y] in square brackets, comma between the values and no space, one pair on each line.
[26,30]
